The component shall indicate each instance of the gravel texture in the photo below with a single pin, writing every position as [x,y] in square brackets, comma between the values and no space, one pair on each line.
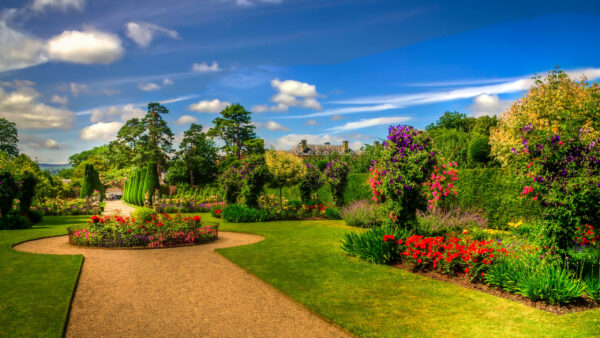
[178,292]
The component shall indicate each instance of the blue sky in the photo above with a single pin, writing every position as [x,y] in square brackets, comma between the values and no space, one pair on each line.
[72,71]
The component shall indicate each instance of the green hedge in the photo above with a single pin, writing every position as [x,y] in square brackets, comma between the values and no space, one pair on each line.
[495,191]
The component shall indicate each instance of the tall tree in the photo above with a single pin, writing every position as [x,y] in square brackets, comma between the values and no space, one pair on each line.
[199,154]
[8,137]
[160,136]
[235,128]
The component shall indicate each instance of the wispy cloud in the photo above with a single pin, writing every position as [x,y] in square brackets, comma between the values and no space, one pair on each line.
[343,111]
[365,123]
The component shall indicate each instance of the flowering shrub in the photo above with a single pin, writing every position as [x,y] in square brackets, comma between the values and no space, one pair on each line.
[161,231]
[64,207]
[562,172]
[255,174]
[586,236]
[377,245]
[231,181]
[238,213]
[311,182]
[291,209]
[440,183]
[407,161]
[216,210]
[336,174]
[375,181]
[361,214]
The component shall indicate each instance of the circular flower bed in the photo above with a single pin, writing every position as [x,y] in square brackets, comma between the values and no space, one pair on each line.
[159,232]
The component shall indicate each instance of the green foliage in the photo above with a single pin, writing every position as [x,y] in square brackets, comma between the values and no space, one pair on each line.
[311,182]
[333,213]
[285,169]
[234,127]
[140,186]
[159,137]
[362,214]
[151,180]
[256,174]
[453,120]
[592,286]
[35,216]
[27,191]
[91,182]
[8,192]
[479,149]
[494,191]
[8,137]
[231,182]
[370,246]
[143,214]
[196,159]
[336,175]
[237,213]
[14,221]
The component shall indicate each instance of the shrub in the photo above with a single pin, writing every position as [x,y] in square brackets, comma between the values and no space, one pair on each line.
[140,195]
[255,174]
[8,191]
[479,149]
[216,210]
[361,214]
[286,170]
[336,174]
[237,213]
[35,216]
[437,222]
[552,283]
[144,214]
[13,221]
[322,164]
[151,182]
[231,182]
[371,245]
[28,183]
[332,213]
[592,286]
[406,162]
[311,182]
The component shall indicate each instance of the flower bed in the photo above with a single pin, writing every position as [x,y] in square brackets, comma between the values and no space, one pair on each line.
[65,207]
[162,231]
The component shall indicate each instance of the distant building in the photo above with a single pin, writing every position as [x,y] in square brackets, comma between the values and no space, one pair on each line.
[305,149]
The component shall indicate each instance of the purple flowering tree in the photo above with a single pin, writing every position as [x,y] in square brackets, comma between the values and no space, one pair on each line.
[336,174]
[406,162]
[561,170]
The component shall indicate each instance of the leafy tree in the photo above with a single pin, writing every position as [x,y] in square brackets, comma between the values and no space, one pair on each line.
[8,137]
[311,182]
[286,170]
[336,174]
[198,154]
[453,120]
[91,182]
[99,152]
[27,191]
[479,149]
[255,174]
[8,191]
[484,124]
[235,128]
[556,104]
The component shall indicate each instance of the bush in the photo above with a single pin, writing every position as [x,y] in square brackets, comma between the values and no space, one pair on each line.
[310,184]
[232,183]
[371,246]
[479,149]
[361,214]
[28,183]
[256,174]
[8,191]
[437,222]
[322,164]
[14,221]
[592,286]
[237,213]
[151,182]
[336,174]
[35,216]
[216,210]
[144,214]
[332,213]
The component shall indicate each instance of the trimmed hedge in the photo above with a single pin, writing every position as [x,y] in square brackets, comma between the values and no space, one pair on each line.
[495,191]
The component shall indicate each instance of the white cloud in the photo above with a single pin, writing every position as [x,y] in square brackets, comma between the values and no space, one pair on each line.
[62,100]
[186,119]
[261,108]
[167,82]
[205,68]
[209,106]
[85,47]
[19,50]
[336,117]
[344,111]
[63,5]
[488,105]
[311,123]
[286,142]
[78,88]
[22,107]
[142,33]
[365,123]
[148,86]
[112,113]
[32,142]
[101,131]
[271,125]
[291,93]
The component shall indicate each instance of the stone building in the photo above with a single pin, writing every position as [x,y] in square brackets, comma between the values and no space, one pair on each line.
[305,149]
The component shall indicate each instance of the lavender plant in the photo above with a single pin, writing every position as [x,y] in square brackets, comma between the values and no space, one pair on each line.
[362,214]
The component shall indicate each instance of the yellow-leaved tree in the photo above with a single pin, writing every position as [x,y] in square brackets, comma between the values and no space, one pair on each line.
[556,104]
[286,169]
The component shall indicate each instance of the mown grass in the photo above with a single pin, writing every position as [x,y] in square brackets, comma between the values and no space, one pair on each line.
[36,289]
[304,260]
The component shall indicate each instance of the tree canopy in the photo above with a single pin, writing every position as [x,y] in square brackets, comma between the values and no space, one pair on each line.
[8,137]
[235,128]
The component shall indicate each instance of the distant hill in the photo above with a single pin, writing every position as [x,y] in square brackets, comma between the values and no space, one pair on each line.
[54,168]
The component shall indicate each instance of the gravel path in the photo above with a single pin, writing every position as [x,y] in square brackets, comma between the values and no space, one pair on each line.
[183,292]
[117,207]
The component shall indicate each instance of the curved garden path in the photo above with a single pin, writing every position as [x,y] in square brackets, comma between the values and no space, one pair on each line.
[117,207]
[186,291]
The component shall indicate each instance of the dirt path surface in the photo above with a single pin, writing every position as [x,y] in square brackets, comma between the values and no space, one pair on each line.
[114,208]
[178,292]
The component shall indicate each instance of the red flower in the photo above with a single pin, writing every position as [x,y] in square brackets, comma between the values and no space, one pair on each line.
[467,270]
[388,238]
[197,218]
[129,230]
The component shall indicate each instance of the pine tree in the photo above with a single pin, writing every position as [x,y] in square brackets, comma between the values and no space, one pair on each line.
[151,182]
[125,186]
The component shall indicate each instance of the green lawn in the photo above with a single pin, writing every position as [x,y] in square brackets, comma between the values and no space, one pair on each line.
[303,260]
[36,289]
